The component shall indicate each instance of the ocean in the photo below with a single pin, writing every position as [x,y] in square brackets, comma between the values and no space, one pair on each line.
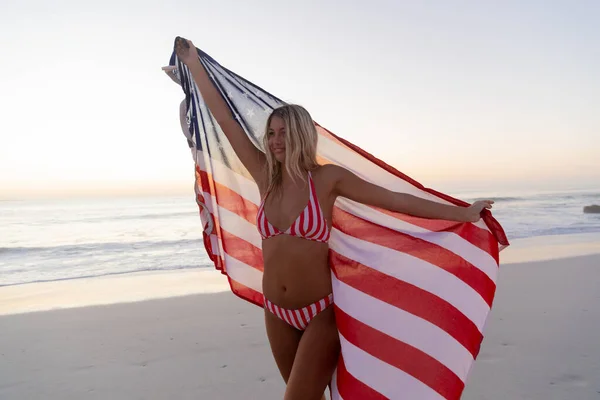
[65,239]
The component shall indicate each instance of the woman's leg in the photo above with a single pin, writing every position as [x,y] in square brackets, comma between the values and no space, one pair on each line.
[316,359]
[284,340]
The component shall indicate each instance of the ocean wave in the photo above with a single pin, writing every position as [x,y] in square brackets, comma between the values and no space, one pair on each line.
[151,269]
[555,231]
[71,249]
[131,217]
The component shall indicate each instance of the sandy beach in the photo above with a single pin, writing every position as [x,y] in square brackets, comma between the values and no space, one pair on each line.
[197,342]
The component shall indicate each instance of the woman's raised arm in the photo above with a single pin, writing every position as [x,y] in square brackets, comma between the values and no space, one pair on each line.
[252,158]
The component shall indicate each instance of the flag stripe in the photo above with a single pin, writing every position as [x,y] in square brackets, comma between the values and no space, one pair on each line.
[242,250]
[348,386]
[243,273]
[461,245]
[399,354]
[233,201]
[388,380]
[489,222]
[422,335]
[414,271]
[435,255]
[409,298]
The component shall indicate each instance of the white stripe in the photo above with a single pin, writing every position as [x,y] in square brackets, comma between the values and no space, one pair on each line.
[388,380]
[335,394]
[243,273]
[233,223]
[291,316]
[313,211]
[322,303]
[278,312]
[313,308]
[305,213]
[415,271]
[371,172]
[285,316]
[321,223]
[368,170]
[214,245]
[448,240]
[306,314]
[405,327]
[226,176]
[299,318]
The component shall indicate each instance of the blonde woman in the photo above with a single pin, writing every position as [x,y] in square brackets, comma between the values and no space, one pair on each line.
[294,221]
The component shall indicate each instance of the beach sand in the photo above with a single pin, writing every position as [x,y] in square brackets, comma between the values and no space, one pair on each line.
[542,339]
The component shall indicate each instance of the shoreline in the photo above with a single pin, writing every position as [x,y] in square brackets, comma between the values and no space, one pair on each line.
[147,285]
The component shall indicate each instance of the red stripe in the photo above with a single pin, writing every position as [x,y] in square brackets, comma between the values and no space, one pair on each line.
[229,199]
[303,316]
[475,235]
[401,355]
[292,227]
[419,248]
[318,305]
[312,220]
[351,388]
[242,250]
[292,318]
[246,293]
[300,229]
[409,298]
[322,231]
[297,320]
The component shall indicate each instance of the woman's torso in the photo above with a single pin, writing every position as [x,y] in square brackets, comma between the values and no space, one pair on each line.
[296,270]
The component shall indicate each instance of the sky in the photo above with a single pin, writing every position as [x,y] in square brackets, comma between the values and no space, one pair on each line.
[463,94]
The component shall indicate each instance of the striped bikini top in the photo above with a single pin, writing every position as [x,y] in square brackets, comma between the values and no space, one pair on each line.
[310,224]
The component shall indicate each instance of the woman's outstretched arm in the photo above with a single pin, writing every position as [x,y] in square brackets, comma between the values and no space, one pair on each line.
[347,184]
[252,158]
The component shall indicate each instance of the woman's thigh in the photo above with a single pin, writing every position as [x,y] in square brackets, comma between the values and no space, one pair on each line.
[284,340]
[315,360]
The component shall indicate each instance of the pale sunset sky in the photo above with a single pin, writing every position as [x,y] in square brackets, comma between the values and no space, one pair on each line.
[469,94]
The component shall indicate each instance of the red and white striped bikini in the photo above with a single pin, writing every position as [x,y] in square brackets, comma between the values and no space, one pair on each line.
[299,318]
[310,225]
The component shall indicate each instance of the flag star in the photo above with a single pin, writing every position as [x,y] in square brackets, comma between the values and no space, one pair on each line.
[257,93]
[250,113]
[245,95]
[229,93]
[267,111]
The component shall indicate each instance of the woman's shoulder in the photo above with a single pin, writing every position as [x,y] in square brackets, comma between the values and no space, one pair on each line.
[329,174]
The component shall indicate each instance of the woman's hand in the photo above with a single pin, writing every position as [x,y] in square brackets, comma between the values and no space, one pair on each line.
[475,209]
[186,51]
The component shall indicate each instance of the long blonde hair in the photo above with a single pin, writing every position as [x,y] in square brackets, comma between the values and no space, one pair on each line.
[300,146]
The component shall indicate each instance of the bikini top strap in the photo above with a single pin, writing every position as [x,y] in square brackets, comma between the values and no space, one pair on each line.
[312,189]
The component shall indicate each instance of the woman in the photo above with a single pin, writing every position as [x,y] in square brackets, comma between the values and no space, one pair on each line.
[294,220]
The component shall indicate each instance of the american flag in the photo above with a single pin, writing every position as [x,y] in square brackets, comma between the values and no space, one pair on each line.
[411,295]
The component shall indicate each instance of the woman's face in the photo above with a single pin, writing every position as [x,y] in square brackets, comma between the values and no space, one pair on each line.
[276,138]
